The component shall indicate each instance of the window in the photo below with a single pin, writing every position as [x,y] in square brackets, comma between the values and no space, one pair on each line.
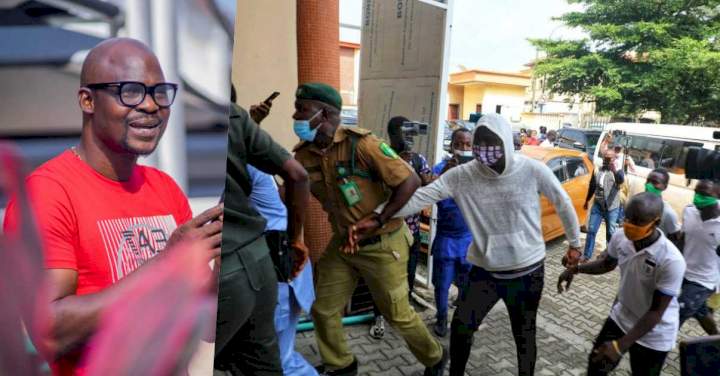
[556,165]
[570,138]
[453,111]
[498,109]
[575,167]
[653,152]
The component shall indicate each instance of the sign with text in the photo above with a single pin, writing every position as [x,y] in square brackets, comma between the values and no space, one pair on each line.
[401,66]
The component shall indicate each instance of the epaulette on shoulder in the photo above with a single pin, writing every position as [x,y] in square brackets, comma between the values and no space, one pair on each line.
[358,131]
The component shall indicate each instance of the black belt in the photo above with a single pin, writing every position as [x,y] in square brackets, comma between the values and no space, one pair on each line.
[516,271]
[369,241]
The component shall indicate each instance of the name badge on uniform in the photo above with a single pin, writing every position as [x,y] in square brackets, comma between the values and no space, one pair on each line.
[351,192]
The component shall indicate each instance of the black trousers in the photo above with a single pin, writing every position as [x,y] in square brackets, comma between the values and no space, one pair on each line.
[246,342]
[482,291]
[643,361]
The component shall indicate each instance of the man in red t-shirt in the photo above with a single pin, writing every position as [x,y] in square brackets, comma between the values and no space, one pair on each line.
[103,217]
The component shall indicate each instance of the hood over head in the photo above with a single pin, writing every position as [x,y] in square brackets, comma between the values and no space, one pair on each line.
[502,128]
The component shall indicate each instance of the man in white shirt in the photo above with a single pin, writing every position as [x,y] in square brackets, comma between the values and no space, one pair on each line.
[657,183]
[549,141]
[701,248]
[644,318]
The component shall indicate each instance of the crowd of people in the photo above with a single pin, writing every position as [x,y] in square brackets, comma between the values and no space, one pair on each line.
[106,221]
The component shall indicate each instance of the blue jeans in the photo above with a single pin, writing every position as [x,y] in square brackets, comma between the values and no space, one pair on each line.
[445,271]
[596,217]
[287,315]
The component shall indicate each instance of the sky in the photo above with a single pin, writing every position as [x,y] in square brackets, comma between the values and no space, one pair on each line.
[492,34]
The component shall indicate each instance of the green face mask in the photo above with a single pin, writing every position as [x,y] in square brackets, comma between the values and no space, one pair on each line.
[702,201]
[651,188]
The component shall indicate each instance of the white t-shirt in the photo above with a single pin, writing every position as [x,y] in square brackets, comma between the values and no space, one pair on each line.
[669,223]
[658,267]
[547,144]
[701,241]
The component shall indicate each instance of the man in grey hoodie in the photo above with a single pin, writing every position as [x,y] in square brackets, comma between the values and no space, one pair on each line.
[498,195]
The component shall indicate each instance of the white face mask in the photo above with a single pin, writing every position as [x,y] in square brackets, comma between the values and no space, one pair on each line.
[464,153]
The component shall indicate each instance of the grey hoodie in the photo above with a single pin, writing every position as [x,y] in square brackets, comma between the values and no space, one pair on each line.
[501,210]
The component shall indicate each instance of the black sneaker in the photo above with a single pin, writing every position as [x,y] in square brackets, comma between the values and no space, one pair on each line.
[439,368]
[350,370]
[440,327]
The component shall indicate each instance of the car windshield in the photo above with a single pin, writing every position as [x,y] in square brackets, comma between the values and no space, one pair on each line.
[592,139]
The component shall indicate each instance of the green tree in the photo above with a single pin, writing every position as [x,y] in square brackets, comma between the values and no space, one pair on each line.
[640,55]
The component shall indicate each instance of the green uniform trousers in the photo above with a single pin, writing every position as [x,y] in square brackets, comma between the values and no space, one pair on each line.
[383,266]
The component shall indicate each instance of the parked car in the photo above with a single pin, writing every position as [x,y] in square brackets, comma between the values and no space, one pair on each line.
[585,140]
[573,169]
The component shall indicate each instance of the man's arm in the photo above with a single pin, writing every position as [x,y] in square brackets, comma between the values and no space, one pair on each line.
[591,188]
[271,158]
[600,266]
[647,322]
[297,191]
[75,317]
[428,195]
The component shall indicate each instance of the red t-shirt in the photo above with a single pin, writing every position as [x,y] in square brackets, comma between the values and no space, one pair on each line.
[101,228]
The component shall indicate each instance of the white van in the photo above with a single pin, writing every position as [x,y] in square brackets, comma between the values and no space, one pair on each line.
[660,145]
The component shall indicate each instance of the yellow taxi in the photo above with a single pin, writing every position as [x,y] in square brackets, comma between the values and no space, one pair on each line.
[573,169]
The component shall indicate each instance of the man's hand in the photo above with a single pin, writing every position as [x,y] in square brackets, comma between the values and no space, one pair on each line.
[260,111]
[206,227]
[572,257]
[360,231]
[452,162]
[566,276]
[585,206]
[606,355]
[301,255]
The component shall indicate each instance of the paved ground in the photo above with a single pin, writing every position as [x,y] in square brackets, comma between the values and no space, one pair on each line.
[567,324]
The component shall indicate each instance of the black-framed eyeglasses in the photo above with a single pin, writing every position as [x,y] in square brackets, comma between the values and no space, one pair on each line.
[132,93]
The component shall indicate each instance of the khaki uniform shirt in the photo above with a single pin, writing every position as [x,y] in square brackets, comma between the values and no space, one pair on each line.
[377,167]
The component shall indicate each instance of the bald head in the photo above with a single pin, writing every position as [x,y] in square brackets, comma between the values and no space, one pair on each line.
[119,59]
[644,208]
[109,122]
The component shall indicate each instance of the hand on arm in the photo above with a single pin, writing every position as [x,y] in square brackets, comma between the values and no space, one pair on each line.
[401,194]
[297,194]
[600,266]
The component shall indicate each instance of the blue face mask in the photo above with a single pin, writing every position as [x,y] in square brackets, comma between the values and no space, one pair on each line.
[303,131]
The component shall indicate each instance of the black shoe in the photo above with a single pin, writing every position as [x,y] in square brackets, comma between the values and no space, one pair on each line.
[439,368]
[350,370]
[440,327]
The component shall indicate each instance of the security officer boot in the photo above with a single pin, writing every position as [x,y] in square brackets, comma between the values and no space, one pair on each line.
[440,327]
[439,368]
[350,370]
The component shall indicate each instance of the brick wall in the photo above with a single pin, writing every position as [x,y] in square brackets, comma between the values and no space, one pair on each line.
[318,37]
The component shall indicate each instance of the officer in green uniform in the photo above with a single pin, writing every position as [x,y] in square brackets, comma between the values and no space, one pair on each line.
[246,342]
[351,172]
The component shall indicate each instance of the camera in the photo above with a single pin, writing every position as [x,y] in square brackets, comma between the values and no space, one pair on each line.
[410,129]
[703,163]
